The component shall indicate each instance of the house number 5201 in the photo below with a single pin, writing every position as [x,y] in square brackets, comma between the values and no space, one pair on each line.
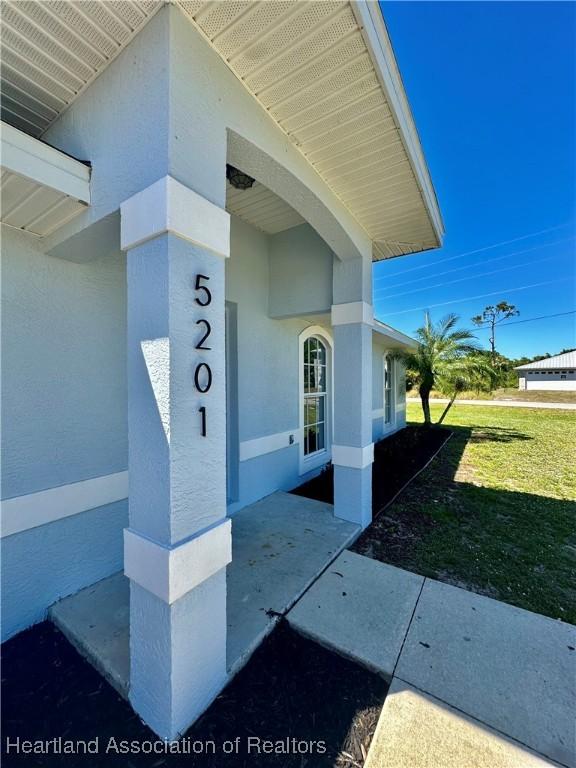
[203,372]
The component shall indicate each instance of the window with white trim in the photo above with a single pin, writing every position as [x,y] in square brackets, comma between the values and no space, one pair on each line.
[388,375]
[315,396]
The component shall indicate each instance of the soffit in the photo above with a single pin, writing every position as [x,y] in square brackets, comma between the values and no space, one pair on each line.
[322,69]
[309,66]
[51,50]
[260,207]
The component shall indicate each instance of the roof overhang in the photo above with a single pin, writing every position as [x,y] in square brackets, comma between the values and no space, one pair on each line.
[564,360]
[376,36]
[394,339]
[41,188]
[324,71]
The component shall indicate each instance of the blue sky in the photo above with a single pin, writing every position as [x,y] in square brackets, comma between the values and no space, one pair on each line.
[492,88]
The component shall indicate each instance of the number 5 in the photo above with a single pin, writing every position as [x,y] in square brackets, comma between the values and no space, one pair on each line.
[200,287]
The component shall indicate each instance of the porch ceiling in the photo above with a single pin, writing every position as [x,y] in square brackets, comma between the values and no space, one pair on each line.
[324,70]
[263,209]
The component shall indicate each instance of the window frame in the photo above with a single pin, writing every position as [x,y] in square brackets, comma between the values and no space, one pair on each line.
[388,362]
[323,456]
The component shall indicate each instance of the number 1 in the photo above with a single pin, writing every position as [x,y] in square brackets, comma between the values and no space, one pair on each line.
[202,411]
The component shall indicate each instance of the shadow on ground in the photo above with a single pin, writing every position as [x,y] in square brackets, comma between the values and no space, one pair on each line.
[484,434]
[516,547]
[396,460]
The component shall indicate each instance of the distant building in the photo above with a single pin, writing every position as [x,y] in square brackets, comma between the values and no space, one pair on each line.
[558,372]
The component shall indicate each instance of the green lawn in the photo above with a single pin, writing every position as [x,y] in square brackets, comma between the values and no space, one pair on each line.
[530,395]
[495,512]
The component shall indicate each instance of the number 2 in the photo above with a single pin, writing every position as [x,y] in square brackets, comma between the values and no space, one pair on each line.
[200,344]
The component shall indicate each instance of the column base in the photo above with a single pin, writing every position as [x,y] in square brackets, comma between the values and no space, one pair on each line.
[353,494]
[177,654]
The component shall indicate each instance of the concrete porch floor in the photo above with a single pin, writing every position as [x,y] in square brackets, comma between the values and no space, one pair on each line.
[280,545]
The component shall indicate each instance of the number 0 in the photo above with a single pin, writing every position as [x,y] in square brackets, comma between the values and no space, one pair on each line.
[197,374]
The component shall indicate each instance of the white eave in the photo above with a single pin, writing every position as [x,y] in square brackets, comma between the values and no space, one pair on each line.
[397,338]
[377,39]
[41,188]
[323,70]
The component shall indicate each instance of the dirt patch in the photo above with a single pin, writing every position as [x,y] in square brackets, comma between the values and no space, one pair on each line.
[315,708]
[393,538]
[396,460]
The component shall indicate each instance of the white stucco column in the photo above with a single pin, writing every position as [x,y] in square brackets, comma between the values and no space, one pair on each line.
[179,542]
[353,449]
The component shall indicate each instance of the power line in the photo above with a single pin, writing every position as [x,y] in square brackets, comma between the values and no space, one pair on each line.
[477,250]
[533,319]
[487,261]
[469,277]
[480,296]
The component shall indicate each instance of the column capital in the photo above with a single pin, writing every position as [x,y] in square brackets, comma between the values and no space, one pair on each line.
[352,312]
[171,572]
[170,207]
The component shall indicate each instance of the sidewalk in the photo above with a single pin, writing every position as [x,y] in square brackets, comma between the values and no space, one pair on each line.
[474,682]
[504,403]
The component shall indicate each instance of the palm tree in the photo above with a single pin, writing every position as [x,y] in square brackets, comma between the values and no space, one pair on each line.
[440,356]
[470,372]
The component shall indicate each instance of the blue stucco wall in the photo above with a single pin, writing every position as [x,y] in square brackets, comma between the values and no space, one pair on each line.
[64,369]
[63,418]
[300,273]
[43,564]
[274,471]
[267,355]
[267,348]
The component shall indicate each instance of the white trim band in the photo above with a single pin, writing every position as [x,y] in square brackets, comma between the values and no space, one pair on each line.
[355,458]
[352,312]
[171,572]
[260,446]
[24,512]
[43,164]
[169,207]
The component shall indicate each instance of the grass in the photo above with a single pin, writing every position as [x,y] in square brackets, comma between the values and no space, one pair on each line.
[530,396]
[495,512]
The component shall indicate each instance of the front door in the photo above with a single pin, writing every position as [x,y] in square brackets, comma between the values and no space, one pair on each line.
[232,447]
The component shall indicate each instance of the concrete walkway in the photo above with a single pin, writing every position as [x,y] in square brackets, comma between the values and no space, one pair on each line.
[504,403]
[475,683]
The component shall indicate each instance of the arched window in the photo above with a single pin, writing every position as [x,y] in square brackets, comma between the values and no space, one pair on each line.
[315,385]
[315,396]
